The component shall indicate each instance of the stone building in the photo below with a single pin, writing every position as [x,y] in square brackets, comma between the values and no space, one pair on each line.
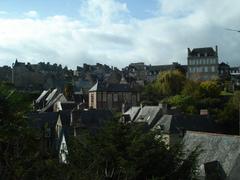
[203,64]
[112,96]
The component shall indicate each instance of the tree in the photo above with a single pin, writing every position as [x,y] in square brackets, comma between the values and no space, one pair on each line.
[128,151]
[21,157]
[169,83]
[68,91]
[191,88]
[210,89]
[230,114]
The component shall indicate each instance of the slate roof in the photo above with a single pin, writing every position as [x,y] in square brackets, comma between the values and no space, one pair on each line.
[103,87]
[51,95]
[43,95]
[132,112]
[149,114]
[216,147]
[91,118]
[161,67]
[38,120]
[209,50]
[53,101]
[177,123]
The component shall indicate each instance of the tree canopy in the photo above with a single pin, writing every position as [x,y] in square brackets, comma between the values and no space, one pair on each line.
[128,151]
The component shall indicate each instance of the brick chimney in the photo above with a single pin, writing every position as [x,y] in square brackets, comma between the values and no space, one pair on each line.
[189,51]
[216,50]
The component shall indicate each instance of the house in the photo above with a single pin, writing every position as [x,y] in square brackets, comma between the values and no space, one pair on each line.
[174,127]
[235,76]
[220,158]
[40,102]
[54,101]
[224,71]
[153,71]
[54,130]
[202,64]
[112,96]
[149,115]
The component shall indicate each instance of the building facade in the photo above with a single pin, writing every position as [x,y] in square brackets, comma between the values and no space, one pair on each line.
[203,64]
[112,96]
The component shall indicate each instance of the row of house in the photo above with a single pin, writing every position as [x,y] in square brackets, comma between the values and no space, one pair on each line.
[57,117]
[220,155]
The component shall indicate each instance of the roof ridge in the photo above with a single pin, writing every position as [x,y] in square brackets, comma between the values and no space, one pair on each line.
[213,134]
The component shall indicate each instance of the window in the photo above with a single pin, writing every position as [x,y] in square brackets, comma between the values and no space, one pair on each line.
[92,98]
[205,69]
[115,97]
[213,68]
[58,129]
[104,98]
[190,69]
[99,96]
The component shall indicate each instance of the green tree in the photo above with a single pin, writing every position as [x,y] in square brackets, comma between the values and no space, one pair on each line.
[169,83]
[68,91]
[191,88]
[21,157]
[128,151]
[210,89]
[230,114]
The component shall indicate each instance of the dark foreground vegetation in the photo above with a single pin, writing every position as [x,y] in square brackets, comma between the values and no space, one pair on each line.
[117,151]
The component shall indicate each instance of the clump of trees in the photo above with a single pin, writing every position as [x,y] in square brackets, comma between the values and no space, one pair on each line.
[172,88]
[21,157]
[128,151]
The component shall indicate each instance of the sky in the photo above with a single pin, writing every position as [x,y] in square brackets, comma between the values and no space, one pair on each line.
[116,32]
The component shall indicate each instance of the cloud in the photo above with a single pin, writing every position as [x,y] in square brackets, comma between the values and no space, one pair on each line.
[106,33]
[31,14]
[103,11]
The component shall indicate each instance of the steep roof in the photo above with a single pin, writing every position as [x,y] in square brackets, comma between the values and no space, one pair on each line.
[149,114]
[60,97]
[51,96]
[209,50]
[176,123]
[91,118]
[216,147]
[43,95]
[100,87]
[132,112]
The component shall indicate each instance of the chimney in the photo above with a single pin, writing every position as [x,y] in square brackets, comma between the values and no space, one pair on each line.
[189,51]
[216,50]
[165,108]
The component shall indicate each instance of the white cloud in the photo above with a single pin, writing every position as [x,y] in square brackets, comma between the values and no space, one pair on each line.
[31,14]
[102,11]
[104,35]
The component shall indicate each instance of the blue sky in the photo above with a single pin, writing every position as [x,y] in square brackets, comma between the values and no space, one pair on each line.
[116,32]
[138,8]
